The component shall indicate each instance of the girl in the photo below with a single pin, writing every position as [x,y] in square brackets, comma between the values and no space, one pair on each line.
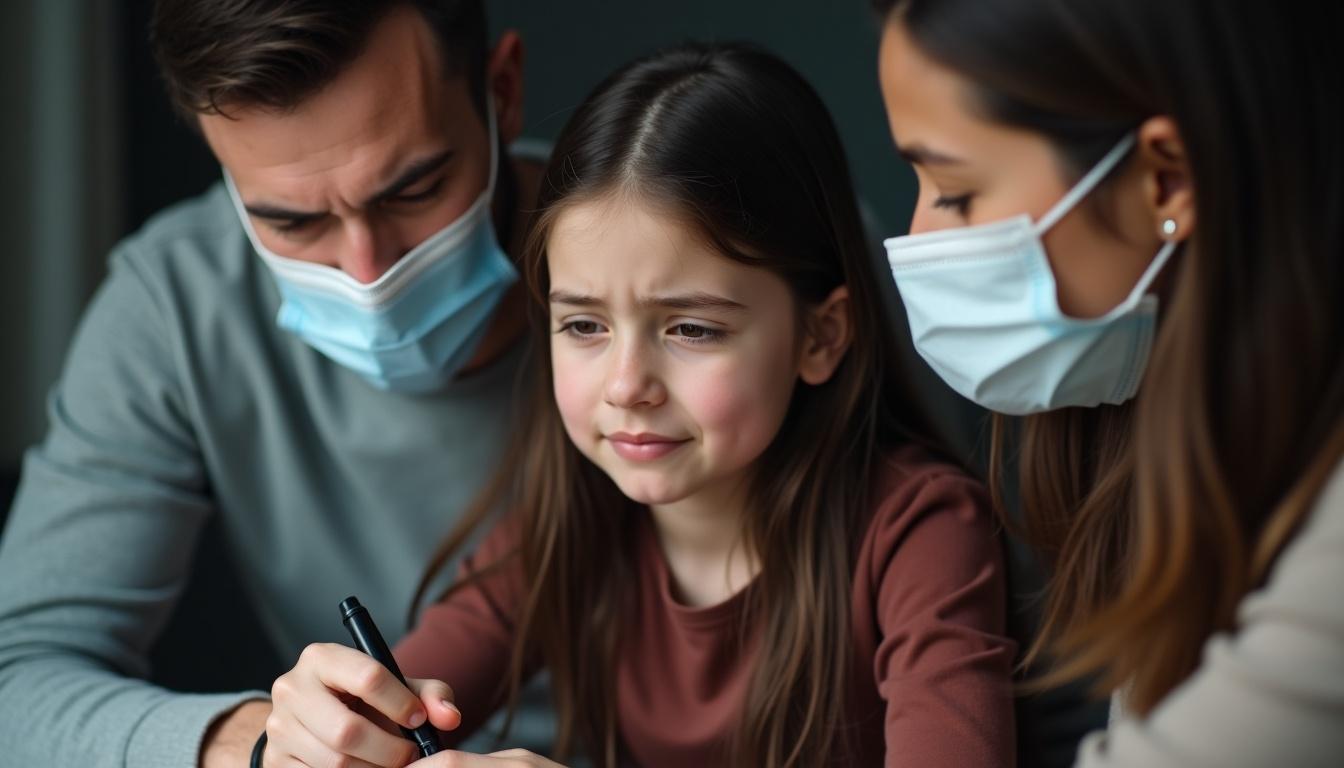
[1141,196]
[730,544]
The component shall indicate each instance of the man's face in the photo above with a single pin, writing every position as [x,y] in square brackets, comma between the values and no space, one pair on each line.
[361,172]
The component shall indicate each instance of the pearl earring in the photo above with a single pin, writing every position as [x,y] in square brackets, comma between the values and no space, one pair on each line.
[1169,227]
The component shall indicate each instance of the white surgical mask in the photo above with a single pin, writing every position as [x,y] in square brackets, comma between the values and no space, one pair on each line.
[984,313]
[413,328]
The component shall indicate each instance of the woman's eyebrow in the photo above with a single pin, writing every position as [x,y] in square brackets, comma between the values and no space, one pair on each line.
[918,154]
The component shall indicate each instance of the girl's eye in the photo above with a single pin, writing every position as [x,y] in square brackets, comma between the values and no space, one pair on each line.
[695,333]
[581,328]
[960,203]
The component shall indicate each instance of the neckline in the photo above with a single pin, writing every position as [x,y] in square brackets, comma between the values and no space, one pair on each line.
[709,617]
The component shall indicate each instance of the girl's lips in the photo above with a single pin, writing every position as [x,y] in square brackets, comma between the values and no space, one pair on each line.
[643,447]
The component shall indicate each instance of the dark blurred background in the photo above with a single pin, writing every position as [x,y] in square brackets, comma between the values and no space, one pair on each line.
[89,149]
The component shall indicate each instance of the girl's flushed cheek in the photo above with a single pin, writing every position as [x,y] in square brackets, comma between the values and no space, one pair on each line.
[578,394]
[737,411]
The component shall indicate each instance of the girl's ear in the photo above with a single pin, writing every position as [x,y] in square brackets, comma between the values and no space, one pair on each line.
[828,330]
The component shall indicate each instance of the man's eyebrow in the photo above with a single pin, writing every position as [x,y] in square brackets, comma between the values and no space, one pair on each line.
[678,301]
[279,213]
[918,154]
[413,173]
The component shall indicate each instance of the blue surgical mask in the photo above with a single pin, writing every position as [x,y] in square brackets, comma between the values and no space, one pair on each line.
[984,313]
[413,328]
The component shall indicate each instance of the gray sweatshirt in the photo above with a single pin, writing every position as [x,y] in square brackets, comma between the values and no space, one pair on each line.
[180,400]
[1270,694]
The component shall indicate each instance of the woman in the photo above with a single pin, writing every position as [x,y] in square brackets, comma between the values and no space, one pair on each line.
[1128,233]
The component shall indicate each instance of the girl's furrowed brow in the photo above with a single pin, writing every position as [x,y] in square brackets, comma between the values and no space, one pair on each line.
[677,301]
[693,301]
[574,299]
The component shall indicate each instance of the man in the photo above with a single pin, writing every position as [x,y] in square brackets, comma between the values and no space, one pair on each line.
[320,351]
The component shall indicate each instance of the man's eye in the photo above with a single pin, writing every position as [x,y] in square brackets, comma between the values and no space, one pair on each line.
[416,197]
[291,226]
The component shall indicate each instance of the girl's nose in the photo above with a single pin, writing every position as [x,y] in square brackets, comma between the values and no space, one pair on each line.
[632,381]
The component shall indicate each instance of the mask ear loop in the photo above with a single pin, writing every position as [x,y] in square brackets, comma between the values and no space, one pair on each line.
[1082,189]
[1150,274]
[1088,183]
[492,127]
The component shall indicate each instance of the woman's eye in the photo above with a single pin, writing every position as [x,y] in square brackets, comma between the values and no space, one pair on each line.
[959,203]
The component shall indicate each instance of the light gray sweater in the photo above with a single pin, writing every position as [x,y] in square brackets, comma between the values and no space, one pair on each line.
[1270,694]
[180,400]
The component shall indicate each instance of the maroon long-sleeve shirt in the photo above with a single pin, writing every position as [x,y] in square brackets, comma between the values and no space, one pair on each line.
[931,679]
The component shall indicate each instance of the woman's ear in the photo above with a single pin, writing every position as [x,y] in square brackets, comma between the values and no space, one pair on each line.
[1168,187]
[828,330]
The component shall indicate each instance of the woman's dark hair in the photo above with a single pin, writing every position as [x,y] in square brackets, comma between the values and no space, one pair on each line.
[1158,516]
[734,142]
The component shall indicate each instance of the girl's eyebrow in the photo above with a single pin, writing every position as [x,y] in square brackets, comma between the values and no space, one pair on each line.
[695,300]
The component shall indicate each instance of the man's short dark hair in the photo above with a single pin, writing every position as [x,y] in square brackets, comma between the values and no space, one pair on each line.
[217,54]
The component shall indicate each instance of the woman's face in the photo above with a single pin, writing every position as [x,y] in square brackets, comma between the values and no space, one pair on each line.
[973,171]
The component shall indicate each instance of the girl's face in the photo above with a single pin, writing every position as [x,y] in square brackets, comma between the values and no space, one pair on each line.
[673,366]
[973,171]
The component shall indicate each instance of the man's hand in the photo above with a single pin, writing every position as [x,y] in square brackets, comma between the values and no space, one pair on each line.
[229,741]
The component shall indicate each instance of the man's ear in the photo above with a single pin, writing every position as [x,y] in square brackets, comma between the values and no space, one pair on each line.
[504,78]
[828,331]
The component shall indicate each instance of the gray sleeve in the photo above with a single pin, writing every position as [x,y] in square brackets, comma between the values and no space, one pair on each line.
[1273,692]
[98,547]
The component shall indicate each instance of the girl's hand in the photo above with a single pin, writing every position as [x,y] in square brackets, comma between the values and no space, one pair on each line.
[338,706]
[509,758]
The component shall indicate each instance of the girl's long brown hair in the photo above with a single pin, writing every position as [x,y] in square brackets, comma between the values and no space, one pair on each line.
[734,142]
[1158,516]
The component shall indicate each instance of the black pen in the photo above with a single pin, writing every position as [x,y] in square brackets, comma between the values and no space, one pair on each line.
[356,618]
